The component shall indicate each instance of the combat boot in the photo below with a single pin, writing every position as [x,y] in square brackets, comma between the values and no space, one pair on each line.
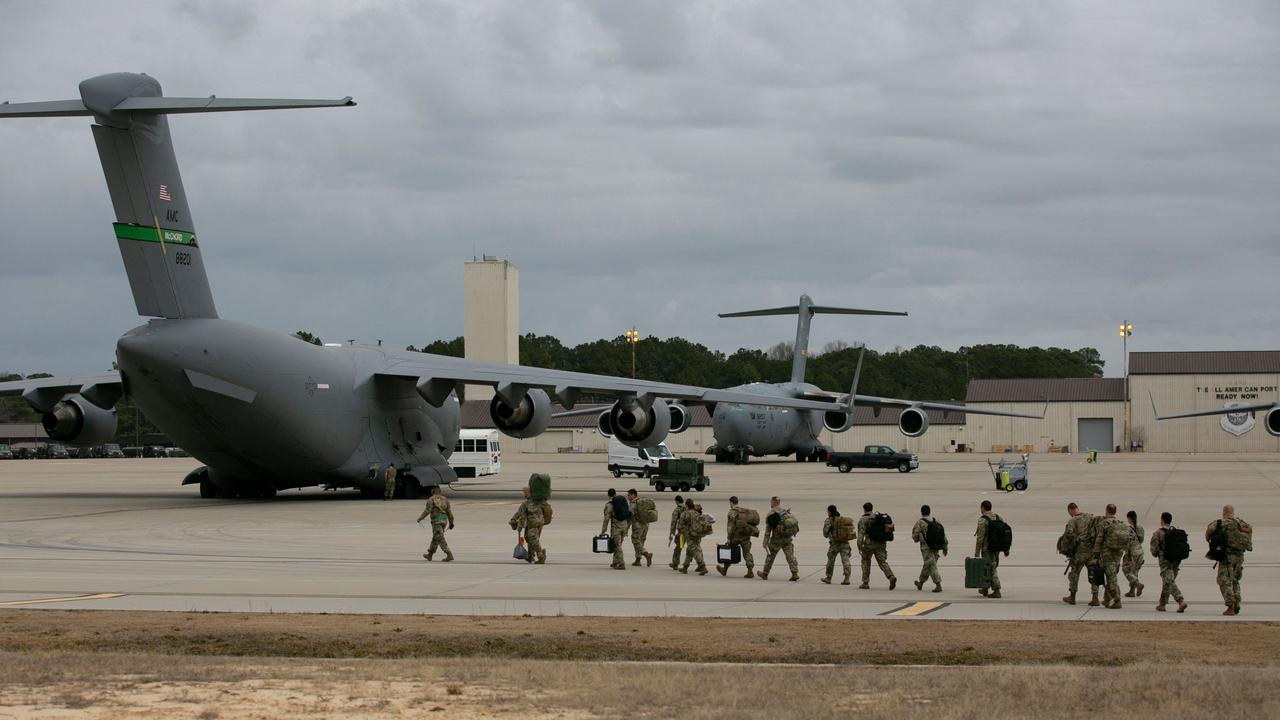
[702,570]
[1160,607]
[762,575]
[1228,611]
[795,577]
[751,573]
[826,580]
[937,588]
[684,570]
[722,569]
[1182,606]
[448,556]
[845,581]
[1114,605]
[636,563]
[673,566]
[918,583]
[1093,601]
[427,556]
[893,583]
[648,558]
[864,586]
[995,595]
[1132,592]
[542,557]
[1069,599]
[1140,586]
[982,592]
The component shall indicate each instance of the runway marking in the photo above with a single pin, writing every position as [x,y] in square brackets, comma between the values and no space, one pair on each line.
[69,598]
[915,609]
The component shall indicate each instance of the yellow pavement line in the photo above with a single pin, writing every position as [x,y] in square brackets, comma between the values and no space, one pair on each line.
[917,608]
[71,598]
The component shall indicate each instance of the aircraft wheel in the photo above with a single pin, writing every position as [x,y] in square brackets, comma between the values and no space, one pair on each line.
[659,486]
[844,466]
[207,488]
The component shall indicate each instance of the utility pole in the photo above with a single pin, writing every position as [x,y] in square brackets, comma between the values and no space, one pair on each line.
[1126,329]
[633,337]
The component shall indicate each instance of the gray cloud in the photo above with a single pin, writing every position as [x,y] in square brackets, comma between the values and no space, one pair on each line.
[1007,172]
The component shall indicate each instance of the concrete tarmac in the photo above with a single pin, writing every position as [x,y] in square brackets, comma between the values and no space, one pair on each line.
[123,534]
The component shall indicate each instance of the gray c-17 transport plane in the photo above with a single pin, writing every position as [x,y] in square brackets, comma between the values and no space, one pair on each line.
[742,431]
[262,410]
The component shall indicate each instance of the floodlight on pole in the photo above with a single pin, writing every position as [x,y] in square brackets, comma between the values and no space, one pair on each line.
[633,337]
[1126,329]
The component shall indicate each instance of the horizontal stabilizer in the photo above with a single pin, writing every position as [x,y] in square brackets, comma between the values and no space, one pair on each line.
[51,108]
[795,310]
[165,106]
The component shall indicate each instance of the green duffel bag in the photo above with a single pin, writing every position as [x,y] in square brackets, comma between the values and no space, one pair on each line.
[540,486]
[977,572]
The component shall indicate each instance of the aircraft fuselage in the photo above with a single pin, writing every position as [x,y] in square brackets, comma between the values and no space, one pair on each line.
[767,430]
[258,406]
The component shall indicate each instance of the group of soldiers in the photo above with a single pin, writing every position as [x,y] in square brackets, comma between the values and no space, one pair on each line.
[1105,547]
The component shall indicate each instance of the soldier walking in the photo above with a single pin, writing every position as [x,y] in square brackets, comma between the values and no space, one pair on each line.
[617,520]
[929,533]
[869,547]
[780,527]
[1169,547]
[674,536]
[1077,544]
[1133,558]
[739,532]
[389,482]
[1108,548]
[640,514]
[987,548]
[441,514]
[838,531]
[694,527]
[530,517]
[1229,539]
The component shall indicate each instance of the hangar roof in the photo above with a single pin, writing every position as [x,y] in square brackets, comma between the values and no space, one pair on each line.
[1211,362]
[1042,389]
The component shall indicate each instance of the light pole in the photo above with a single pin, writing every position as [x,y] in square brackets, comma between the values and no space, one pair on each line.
[633,337]
[1126,329]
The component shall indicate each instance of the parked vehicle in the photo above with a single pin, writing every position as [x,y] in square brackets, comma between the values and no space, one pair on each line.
[874,456]
[53,451]
[642,462]
[110,450]
[25,453]
[176,452]
[683,474]
[478,452]
[6,453]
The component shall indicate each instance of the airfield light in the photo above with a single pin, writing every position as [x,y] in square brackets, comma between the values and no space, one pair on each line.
[633,337]
[1126,329]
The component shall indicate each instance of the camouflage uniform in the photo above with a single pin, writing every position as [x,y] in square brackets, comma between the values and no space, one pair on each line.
[639,532]
[441,515]
[389,484]
[1231,570]
[1133,560]
[674,534]
[868,549]
[617,531]
[1110,558]
[929,570]
[1080,530]
[834,548]
[740,534]
[776,541]
[980,550]
[1168,570]
[691,526]
[529,517]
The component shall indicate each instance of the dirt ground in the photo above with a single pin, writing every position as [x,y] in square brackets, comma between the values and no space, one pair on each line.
[60,664]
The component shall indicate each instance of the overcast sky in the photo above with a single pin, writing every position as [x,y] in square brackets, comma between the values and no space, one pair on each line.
[1028,173]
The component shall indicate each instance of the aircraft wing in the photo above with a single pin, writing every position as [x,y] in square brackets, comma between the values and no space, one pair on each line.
[945,408]
[1215,411]
[42,393]
[436,375]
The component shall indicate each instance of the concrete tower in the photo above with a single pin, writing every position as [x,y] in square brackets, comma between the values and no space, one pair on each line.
[491,315]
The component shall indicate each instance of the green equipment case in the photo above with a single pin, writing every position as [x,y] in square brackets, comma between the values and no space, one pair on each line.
[977,572]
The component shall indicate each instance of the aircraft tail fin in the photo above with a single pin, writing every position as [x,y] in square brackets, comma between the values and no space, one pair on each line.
[805,311]
[153,227]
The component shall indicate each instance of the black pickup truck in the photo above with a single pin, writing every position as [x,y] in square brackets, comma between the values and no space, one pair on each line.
[873,456]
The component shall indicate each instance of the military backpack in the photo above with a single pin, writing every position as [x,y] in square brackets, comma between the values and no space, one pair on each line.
[646,510]
[546,513]
[1176,548]
[935,536]
[790,526]
[1116,536]
[1217,543]
[1239,536]
[621,508]
[881,528]
[999,535]
[747,516]
[1066,545]
[842,529]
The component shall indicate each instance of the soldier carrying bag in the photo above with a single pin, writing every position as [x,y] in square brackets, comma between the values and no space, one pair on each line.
[881,528]
[790,526]
[935,536]
[602,544]
[728,554]
[977,572]
[842,529]
[999,536]
[646,510]
[1066,546]
[621,508]
[1097,576]
[1175,547]
[1217,543]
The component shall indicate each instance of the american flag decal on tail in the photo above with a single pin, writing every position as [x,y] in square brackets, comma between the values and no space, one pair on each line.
[164,193]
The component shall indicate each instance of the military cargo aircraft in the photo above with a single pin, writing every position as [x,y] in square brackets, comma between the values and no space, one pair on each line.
[743,431]
[262,410]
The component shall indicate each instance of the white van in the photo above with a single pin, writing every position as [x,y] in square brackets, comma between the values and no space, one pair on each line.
[478,452]
[641,461]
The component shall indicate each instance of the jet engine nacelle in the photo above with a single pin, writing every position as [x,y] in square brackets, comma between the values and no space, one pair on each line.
[637,426]
[680,418]
[1272,421]
[837,421]
[913,422]
[527,418]
[77,421]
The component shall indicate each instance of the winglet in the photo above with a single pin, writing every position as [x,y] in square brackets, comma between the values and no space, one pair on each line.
[1154,411]
[857,372]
